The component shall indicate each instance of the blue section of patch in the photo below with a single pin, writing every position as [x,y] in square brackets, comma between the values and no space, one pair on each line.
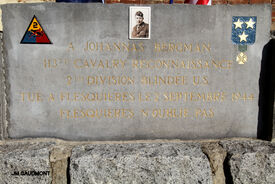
[29,37]
[250,32]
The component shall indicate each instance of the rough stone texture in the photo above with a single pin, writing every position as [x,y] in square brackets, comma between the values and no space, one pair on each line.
[24,157]
[2,90]
[250,161]
[160,161]
[140,163]
[216,155]
[3,104]
[97,23]
[59,163]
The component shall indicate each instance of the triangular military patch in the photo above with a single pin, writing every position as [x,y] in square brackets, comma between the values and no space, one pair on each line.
[35,34]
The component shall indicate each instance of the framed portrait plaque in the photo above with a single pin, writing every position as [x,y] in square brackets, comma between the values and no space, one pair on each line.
[139,22]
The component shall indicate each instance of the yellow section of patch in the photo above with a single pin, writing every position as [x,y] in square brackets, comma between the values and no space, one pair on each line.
[34,25]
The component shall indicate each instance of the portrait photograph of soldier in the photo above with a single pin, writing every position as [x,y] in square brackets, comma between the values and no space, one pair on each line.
[139,24]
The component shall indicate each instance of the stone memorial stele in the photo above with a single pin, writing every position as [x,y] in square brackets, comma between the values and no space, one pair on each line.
[72,71]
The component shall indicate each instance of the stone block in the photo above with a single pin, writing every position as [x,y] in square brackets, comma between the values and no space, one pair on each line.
[250,161]
[216,155]
[140,163]
[94,83]
[59,158]
[25,162]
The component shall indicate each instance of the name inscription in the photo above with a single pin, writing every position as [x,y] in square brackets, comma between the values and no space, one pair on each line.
[109,81]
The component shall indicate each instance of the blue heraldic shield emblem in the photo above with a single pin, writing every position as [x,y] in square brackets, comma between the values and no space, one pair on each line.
[244,30]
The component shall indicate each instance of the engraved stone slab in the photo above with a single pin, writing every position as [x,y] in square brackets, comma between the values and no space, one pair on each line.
[94,83]
[140,163]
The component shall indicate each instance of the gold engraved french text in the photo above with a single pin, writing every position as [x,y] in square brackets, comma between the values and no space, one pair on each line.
[163,80]
[99,63]
[204,113]
[200,80]
[96,113]
[31,97]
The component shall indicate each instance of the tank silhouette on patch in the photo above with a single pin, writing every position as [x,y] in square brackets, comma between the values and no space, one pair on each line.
[35,34]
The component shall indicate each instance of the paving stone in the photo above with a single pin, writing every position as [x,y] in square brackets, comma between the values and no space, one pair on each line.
[25,162]
[140,163]
[251,161]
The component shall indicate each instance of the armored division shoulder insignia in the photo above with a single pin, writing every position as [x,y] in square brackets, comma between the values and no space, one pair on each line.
[35,34]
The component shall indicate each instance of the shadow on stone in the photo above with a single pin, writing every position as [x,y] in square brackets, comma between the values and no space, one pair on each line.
[227,171]
[68,171]
[266,96]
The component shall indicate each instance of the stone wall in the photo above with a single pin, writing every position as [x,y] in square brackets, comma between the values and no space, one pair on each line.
[55,161]
[159,161]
